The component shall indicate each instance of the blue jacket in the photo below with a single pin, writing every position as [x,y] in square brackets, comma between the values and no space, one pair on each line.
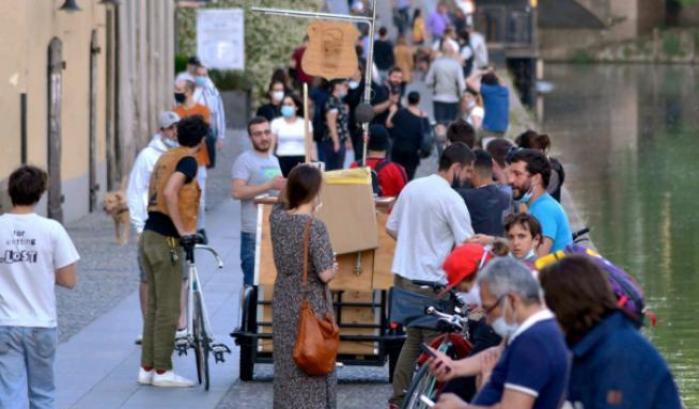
[614,366]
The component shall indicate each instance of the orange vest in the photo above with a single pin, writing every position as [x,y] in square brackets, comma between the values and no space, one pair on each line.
[188,203]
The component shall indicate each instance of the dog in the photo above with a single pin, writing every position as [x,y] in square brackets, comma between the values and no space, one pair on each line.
[116,206]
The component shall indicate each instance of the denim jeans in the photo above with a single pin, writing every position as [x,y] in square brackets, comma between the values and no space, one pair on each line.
[247,257]
[333,160]
[27,353]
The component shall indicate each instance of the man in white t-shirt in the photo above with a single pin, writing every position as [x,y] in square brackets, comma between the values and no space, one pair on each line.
[36,254]
[427,221]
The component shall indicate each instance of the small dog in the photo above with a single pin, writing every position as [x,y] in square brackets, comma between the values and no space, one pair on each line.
[116,206]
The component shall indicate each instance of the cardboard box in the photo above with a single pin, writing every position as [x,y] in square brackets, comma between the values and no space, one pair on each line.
[348,210]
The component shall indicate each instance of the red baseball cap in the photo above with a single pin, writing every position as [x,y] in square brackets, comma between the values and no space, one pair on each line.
[464,262]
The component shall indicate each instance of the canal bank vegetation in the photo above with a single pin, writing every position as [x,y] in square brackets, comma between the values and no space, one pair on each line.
[269,41]
[662,46]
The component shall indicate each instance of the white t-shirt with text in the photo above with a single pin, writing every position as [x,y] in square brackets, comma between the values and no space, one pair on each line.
[32,248]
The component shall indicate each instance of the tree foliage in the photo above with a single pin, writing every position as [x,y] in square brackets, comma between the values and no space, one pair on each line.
[269,40]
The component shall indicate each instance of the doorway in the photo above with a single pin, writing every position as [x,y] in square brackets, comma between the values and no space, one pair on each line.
[55,73]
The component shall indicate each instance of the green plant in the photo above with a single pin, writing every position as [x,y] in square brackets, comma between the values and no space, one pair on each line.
[231,80]
[269,40]
[180,62]
[671,44]
[582,57]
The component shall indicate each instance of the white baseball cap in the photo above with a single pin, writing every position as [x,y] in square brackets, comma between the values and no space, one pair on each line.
[168,118]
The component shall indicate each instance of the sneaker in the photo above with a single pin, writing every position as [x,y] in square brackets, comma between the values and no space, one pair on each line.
[145,377]
[181,334]
[139,340]
[169,379]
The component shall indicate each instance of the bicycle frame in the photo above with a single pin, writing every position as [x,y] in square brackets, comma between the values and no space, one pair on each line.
[194,286]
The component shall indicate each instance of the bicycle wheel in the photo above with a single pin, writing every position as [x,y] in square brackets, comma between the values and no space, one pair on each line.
[423,384]
[201,344]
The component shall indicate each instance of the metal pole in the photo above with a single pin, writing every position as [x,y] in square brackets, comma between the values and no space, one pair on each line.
[306,133]
[367,79]
[313,14]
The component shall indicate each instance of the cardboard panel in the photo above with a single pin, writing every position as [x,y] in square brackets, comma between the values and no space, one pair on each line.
[349,214]
[383,257]
[330,53]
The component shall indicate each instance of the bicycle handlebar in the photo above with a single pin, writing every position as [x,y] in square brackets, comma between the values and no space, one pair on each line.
[219,261]
[455,319]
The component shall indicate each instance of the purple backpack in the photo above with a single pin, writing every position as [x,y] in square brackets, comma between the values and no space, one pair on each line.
[626,289]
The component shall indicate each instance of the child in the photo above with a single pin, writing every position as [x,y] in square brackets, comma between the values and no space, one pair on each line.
[523,234]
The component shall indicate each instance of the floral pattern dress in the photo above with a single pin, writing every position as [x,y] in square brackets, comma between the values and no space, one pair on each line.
[293,389]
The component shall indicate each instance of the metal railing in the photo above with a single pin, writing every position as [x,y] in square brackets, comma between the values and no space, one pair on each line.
[509,26]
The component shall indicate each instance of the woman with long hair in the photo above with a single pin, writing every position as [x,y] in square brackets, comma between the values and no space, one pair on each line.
[614,365]
[289,135]
[295,230]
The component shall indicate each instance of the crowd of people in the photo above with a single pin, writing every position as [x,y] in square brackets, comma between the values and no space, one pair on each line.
[544,338]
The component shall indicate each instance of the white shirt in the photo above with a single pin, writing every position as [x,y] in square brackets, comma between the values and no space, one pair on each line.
[476,112]
[480,50]
[290,136]
[211,98]
[32,248]
[139,179]
[430,218]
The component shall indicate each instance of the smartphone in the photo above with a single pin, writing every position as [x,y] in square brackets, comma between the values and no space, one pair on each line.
[427,401]
[426,349]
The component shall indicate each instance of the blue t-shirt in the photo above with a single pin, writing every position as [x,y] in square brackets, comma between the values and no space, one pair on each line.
[603,362]
[496,102]
[536,362]
[553,220]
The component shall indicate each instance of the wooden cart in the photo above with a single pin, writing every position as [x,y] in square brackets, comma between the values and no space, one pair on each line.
[360,296]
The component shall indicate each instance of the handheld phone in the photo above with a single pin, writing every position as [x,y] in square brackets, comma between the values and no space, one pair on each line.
[427,401]
[426,349]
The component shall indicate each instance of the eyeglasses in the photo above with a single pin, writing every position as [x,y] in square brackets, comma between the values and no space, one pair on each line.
[488,310]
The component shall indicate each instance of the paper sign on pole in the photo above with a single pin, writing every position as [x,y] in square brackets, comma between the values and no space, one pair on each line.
[221,38]
[330,53]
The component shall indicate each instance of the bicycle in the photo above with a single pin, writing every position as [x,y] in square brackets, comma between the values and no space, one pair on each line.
[454,342]
[199,336]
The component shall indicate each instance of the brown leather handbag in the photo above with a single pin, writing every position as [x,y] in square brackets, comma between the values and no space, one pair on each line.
[317,341]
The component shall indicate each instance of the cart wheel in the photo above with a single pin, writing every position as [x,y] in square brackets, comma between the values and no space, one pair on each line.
[248,345]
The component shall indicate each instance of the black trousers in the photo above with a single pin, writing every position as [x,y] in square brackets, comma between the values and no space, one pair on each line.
[288,162]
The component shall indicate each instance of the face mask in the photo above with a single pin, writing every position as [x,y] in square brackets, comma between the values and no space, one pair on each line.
[353,84]
[277,96]
[170,143]
[180,97]
[288,111]
[525,198]
[502,327]
[200,81]
[471,104]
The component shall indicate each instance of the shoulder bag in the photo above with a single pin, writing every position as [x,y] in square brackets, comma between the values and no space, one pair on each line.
[317,340]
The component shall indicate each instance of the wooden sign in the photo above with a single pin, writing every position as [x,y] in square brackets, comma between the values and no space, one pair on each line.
[330,53]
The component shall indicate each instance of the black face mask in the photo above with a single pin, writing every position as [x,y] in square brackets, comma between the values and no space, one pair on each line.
[180,97]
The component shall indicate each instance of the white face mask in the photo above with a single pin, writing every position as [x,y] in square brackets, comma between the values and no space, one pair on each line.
[471,104]
[170,143]
[277,96]
[353,84]
[502,327]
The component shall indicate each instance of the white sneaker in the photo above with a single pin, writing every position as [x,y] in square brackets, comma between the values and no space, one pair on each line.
[171,380]
[181,333]
[145,377]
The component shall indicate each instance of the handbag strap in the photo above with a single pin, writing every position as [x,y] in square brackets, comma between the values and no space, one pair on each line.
[306,250]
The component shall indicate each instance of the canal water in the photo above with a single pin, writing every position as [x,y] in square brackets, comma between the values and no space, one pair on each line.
[628,136]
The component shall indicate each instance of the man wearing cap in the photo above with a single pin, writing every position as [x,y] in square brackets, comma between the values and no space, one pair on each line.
[391,176]
[137,191]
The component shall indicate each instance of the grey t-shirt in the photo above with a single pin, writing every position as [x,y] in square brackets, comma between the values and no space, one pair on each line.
[254,170]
